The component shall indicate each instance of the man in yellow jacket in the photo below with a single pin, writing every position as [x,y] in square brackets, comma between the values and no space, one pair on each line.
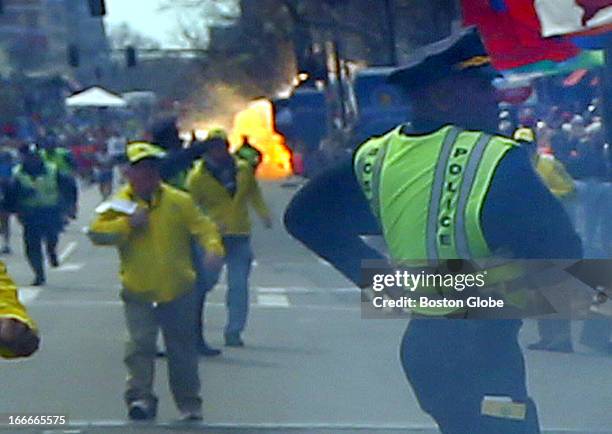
[551,171]
[152,225]
[224,187]
[18,335]
[555,334]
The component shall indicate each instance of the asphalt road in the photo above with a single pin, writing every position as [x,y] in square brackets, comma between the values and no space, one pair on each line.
[310,365]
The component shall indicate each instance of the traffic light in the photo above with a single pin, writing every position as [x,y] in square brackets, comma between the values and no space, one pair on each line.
[97,8]
[130,56]
[73,56]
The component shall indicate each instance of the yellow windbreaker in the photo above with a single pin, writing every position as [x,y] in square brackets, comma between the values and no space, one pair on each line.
[156,262]
[554,175]
[229,212]
[10,307]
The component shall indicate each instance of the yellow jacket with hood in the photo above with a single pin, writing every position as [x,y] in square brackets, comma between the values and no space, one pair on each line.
[156,261]
[230,212]
[554,175]
[10,307]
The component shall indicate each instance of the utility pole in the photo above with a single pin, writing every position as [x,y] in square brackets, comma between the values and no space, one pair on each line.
[607,92]
[390,33]
[606,105]
[339,80]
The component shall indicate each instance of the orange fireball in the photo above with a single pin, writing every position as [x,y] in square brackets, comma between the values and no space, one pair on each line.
[256,122]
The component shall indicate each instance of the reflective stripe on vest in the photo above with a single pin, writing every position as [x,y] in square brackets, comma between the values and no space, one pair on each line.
[45,188]
[367,166]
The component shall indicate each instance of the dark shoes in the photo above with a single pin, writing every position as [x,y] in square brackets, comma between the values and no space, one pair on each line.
[141,410]
[202,347]
[233,340]
[554,346]
[39,281]
[191,416]
[53,261]
[207,351]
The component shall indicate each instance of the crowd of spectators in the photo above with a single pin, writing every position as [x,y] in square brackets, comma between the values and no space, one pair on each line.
[88,135]
[575,136]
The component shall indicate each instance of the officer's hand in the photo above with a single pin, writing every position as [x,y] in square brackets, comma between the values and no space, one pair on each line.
[212,262]
[17,337]
[140,219]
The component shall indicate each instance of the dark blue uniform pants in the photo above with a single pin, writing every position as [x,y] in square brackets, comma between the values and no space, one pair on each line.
[453,364]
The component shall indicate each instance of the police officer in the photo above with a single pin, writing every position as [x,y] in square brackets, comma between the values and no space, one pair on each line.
[42,196]
[443,188]
[52,152]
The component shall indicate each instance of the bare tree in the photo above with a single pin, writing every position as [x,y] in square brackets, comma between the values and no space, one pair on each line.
[122,35]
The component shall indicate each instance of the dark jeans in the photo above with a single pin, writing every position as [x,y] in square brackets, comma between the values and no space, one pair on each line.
[238,259]
[33,237]
[453,364]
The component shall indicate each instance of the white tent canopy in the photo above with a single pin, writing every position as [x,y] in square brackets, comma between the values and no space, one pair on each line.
[95,97]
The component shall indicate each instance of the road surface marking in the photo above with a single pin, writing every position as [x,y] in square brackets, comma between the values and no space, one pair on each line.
[277,305]
[70,267]
[69,250]
[273,300]
[304,290]
[28,294]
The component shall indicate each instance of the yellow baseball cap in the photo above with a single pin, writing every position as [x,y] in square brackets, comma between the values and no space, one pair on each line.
[137,151]
[524,135]
[217,133]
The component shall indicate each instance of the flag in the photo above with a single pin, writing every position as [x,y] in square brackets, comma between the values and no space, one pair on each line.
[511,32]
[561,17]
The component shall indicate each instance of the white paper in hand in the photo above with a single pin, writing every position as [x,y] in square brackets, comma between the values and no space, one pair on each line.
[118,205]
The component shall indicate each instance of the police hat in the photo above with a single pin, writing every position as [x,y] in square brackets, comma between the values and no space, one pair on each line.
[138,151]
[461,53]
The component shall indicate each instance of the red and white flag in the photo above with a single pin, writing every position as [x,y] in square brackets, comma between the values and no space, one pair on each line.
[562,17]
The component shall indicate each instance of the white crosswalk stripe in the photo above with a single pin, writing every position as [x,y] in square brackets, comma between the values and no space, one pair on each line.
[28,294]
[68,251]
[70,267]
[273,300]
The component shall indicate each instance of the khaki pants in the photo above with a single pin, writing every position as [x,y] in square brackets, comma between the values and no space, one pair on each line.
[176,320]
